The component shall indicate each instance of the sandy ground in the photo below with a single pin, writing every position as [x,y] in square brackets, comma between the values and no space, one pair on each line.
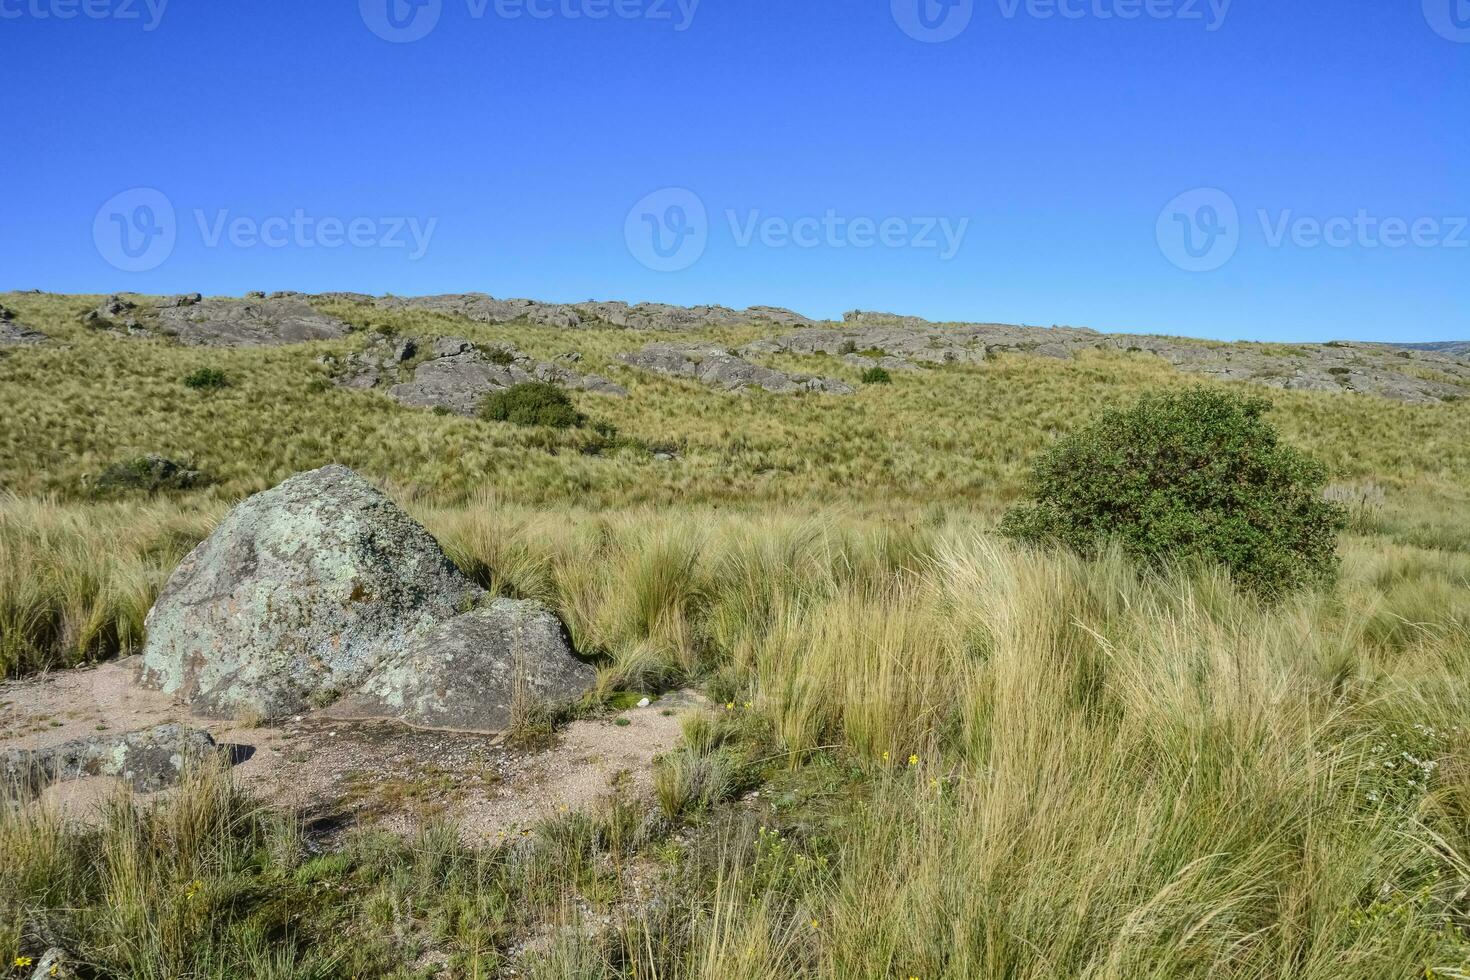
[353,774]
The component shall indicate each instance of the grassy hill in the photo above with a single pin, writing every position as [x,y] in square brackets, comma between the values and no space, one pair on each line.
[972,760]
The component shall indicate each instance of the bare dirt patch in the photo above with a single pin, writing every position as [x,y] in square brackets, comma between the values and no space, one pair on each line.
[346,774]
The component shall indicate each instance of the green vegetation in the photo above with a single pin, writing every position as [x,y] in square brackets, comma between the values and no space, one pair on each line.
[974,758]
[532,403]
[206,379]
[875,376]
[145,474]
[1196,474]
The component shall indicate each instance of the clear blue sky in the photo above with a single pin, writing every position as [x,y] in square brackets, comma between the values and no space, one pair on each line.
[527,140]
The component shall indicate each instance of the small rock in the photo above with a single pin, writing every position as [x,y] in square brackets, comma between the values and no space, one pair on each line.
[644,703]
[148,760]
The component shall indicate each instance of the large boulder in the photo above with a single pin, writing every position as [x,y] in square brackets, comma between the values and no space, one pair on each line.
[296,597]
[463,675]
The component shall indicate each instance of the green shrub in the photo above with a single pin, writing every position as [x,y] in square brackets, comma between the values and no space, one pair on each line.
[532,403]
[499,355]
[146,474]
[1192,475]
[847,347]
[876,376]
[207,379]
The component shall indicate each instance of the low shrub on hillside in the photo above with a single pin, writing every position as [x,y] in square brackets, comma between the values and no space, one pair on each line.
[532,403]
[146,474]
[206,379]
[1198,474]
[876,376]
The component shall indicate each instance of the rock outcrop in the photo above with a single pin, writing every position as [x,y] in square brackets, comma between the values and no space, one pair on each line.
[1419,374]
[455,374]
[323,592]
[14,332]
[296,597]
[464,675]
[724,370]
[256,321]
[268,322]
[639,316]
[148,761]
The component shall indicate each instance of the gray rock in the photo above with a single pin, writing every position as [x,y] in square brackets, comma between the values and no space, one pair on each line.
[641,316]
[12,332]
[55,964]
[296,597]
[456,374]
[148,761]
[1425,374]
[463,675]
[723,370]
[115,313]
[255,322]
[376,363]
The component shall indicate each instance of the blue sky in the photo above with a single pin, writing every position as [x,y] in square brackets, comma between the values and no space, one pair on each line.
[1051,161]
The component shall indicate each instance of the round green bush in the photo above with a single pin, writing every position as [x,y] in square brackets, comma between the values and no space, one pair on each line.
[531,403]
[207,379]
[1198,474]
[876,376]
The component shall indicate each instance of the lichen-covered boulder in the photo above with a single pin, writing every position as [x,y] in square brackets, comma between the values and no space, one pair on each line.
[463,676]
[296,596]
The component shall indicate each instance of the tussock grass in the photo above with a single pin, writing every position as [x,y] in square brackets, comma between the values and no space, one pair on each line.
[974,759]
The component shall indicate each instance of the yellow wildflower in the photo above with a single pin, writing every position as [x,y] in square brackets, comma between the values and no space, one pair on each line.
[913,760]
[22,961]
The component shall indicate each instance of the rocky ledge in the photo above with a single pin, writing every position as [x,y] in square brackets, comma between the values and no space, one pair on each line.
[725,370]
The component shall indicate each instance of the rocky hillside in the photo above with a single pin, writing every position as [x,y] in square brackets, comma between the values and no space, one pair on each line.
[1415,373]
